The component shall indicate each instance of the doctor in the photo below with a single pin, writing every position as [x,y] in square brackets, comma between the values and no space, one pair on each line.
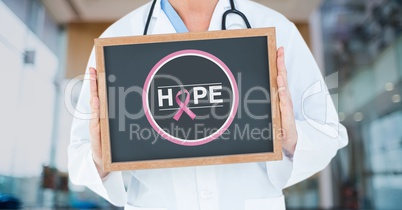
[312,130]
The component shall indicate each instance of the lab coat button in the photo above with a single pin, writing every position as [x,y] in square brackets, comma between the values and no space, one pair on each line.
[206,194]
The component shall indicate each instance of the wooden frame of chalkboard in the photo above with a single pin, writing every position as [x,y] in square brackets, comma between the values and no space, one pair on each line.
[111,164]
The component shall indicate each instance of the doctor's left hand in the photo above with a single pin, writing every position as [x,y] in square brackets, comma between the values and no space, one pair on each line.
[94,130]
[289,131]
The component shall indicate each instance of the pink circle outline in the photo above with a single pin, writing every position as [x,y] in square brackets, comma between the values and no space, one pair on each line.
[171,138]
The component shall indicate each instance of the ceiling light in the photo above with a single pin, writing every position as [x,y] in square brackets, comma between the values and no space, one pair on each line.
[389,86]
[358,116]
[341,116]
[396,98]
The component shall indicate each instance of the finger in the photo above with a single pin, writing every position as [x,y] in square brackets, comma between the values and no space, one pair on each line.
[281,63]
[285,104]
[92,71]
[95,132]
[94,126]
[284,94]
[281,85]
[94,123]
[93,82]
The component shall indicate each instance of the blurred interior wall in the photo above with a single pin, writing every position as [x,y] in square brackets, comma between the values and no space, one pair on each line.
[304,28]
[363,43]
[29,67]
[80,42]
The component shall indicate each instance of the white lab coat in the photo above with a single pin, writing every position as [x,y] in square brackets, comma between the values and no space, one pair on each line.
[249,186]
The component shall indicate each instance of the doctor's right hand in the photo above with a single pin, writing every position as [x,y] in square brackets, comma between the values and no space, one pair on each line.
[94,127]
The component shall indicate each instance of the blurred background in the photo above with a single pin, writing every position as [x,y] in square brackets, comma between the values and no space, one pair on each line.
[45,44]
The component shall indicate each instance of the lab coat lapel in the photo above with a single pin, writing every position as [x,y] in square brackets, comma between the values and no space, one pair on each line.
[161,23]
[232,21]
[216,20]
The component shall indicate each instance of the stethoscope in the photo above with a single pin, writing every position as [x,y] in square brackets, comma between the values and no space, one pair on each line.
[231,10]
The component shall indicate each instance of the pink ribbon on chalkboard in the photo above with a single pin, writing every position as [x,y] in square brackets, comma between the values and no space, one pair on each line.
[183,106]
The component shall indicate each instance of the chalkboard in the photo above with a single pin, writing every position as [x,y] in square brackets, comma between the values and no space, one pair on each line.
[188,99]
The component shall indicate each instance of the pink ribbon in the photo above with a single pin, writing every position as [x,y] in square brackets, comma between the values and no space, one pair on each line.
[183,106]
